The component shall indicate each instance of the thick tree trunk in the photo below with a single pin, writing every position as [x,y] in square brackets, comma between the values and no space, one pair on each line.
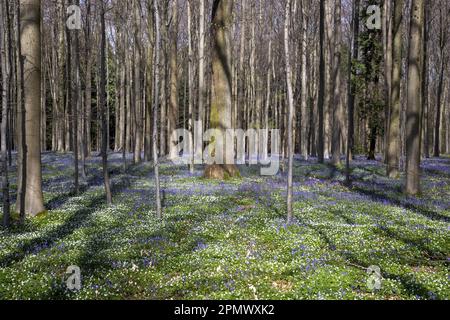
[221,88]
[30,38]
[414,100]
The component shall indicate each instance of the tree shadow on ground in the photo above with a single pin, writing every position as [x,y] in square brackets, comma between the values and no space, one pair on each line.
[408,282]
[389,233]
[95,179]
[382,196]
[48,240]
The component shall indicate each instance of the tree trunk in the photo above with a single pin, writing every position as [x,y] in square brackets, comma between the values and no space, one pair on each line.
[30,38]
[337,104]
[88,83]
[150,85]
[190,83]
[414,100]
[304,84]
[21,128]
[387,45]
[102,104]
[352,88]
[76,95]
[155,108]
[437,127]
[201,78]
[220,116]
[290,97]
[5,67]
[393,141]
[138,115]
[321,143]
[426,108]
[173,100]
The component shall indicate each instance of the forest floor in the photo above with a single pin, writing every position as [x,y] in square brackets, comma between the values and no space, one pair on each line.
[229,240]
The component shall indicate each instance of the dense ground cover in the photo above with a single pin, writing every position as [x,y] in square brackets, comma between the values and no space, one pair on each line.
[229,240]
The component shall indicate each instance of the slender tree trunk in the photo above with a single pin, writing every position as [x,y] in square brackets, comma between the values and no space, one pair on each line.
[329,78]
[337,104]
[425,82]
[268,100]
[164,78]
[12,87]
[320,145]
[61,121]
[190,84]
[124,119]
[102,104]
[88,83]
[21,128]
[438,126]
[241,80]
[173,100]
[290,97]
[393,142]
[138,115]
[387,45]
[201,76]
[150,88]
[68,90]
[76,95]
[414,100]
[128,126]
[5,90]
[304,83]
[155,108]
[352,88]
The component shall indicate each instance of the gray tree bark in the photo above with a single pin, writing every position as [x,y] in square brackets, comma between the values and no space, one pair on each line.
[393,141]
[30,38]
[290,97]
[320,96]
[155,107]
[337,104]
[414,100]
[5,67]
[221,95]
[173,100]
[102,104]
